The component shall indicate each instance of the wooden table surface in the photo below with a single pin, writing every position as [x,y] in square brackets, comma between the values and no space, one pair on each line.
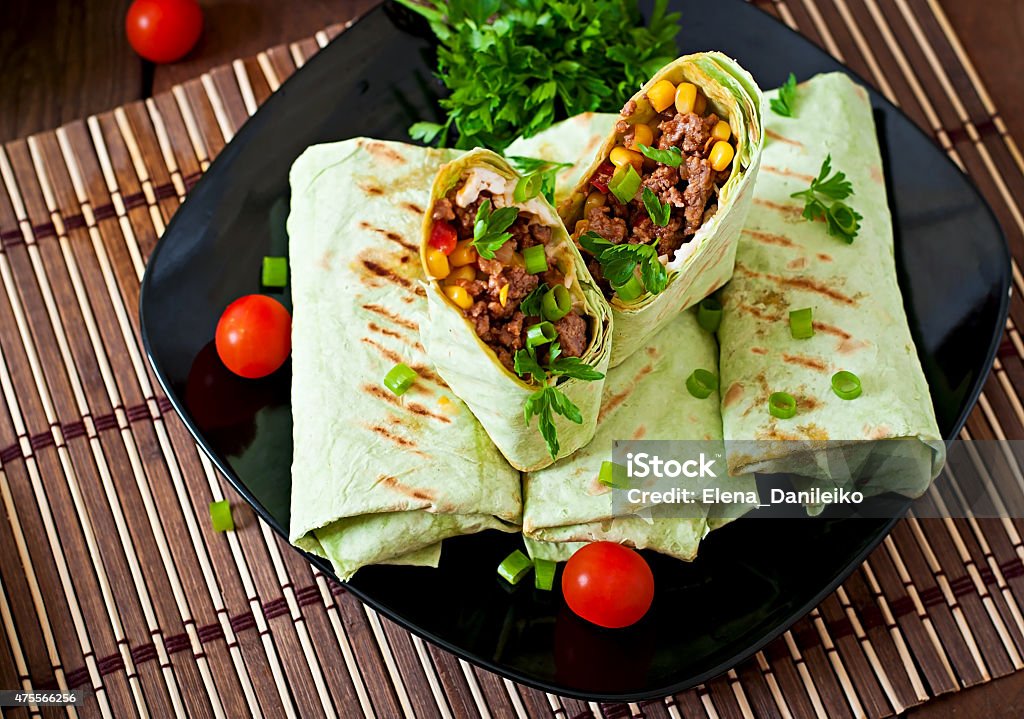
[66,60]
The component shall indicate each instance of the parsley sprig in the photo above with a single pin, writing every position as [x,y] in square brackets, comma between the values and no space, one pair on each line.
[514,68]
[841,219]
[549,400]
[538,177]
[489,228]
[785,103]
[659,212]
[671,156]
[531,304]
[619,261]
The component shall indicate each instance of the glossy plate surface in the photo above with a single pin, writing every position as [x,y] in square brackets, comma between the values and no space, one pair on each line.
[752,579]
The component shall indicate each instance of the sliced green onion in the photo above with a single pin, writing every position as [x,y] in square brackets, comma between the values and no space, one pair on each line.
[613,475]
[540,334]
[845,218]
[801,323]
[400,378]
[220,516]
[629,291]
[543,574]
[701,383]
[782,405]
[625,183]
[709,314]
[846,385]
[275,272]
[534,259]
[514,567]
[528,187]
[556,303]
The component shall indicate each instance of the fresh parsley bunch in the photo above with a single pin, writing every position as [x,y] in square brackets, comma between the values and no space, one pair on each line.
[842,220]
[516,66]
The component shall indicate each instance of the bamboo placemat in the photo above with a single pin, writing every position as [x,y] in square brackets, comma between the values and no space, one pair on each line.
[111,577]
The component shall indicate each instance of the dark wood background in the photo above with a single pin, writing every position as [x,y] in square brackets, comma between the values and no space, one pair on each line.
[65,59]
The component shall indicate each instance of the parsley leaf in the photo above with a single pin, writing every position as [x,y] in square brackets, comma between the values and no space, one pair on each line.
[785,103]
[659,213]
[543,404]
[489,228]
[619,261]
[531,304]
[539,176]
[841,220]
[574,367]
[426,131]
[514,68]
[673,156]
[524,363]
[594,243]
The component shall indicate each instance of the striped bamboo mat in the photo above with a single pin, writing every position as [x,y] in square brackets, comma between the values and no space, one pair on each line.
[111,578]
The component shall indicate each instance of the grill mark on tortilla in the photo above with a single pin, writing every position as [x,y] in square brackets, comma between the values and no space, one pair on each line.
[371,189]
[387,396]
[386,274]
[773,432]
[413,207]
[782,172]
[813,432]
[389,234]
[776,136]
[397,319]
[374,327]
[769,238]
[402,442]
[733,394]
[392,356]
[798,264]
[807,403]
[414,492]
[640,432]
[759,350]
[616,399]
[779,207]
[799,283]
[832,330]
[824,258]
[383,152]
[759,313]
[805,361]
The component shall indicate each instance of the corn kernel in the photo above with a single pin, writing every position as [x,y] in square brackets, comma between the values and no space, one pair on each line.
[661,94]
[466,273]
[721,155]
[642,135]
[594,199]
[620,157]
[463,254]
[459,296]
[437,264]
[503,295]
[722,131]
[700,105]
[686,97]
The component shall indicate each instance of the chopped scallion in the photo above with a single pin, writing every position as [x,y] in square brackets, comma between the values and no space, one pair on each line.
[782,405]
[625,183]
[556,303]
[613,475]
[543,574]
[801,323]
[535,260]
[220,516]
[701,383]
[629,291]
[528,187]
[275,272]
[709,314]
[400,378]
[514,567]
[540,334]
[846,385]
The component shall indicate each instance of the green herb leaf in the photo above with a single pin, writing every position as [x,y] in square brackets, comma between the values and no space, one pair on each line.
[425,131]
[489,228]
[562,405]
[841,220]
[659,213]
[619,262]
[594,243]
[531,304]
[673,156]
[524,363]
[785,103]
[539,175]
[574,367]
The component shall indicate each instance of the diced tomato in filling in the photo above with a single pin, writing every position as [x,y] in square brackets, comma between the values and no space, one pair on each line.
[602,177]
[443,237]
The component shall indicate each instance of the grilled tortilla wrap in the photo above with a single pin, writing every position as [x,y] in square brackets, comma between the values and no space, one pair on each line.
[709,192]
[565,504]
[477,325]
[784,263]
[376,477]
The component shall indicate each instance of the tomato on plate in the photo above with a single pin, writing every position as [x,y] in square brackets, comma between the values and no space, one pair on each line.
[163,30]
[254,336]
[443,237]
[608,584]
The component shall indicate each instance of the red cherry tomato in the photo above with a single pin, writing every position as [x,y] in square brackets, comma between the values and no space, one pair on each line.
[443,237]
[163,30]
[254,336]
[608,584]
[602,176]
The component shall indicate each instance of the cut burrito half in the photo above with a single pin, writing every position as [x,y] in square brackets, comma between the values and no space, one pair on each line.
[658,214]
[517,327]
[816,406]
[377,477]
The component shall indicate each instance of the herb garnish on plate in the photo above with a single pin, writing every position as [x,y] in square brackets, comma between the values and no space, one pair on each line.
[785,103]
[842,220]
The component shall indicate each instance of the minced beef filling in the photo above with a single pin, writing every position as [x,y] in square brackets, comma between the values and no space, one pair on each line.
[689,189]
[503,328]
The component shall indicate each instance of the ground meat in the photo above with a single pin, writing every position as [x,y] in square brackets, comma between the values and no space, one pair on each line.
[541,234]
[670,237]
[473,287]
[466,216]
[521,282]
[481,320]
[489,267]
[612,229]
[691,132]
[443,210]
[662,179]
[697,192]
[572,335]
[553,277]
[628,109]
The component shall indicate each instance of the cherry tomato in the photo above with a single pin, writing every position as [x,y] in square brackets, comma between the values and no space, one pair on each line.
[254,336]
[602,176]
[608,584]
[443,237]
[163,30]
